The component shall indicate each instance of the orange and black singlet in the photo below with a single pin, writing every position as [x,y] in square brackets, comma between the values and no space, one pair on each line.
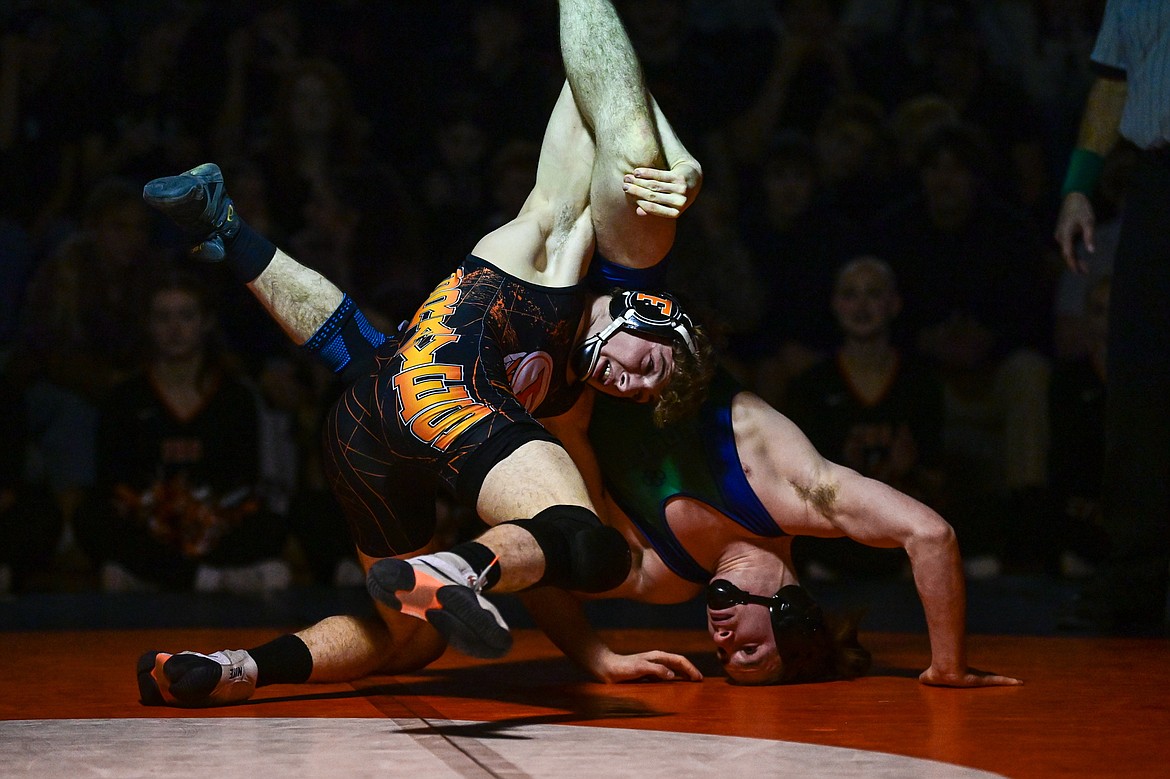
[461,387]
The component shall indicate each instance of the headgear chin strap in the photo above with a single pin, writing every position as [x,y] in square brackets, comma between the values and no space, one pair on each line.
[798,626]
[659,315]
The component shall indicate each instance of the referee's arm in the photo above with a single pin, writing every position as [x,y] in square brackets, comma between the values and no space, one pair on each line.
[1099,133]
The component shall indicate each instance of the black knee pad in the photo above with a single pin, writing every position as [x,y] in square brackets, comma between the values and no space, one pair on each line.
[580,553]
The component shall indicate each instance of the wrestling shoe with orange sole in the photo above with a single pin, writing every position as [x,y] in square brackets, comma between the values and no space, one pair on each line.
[443,590]
[191,679]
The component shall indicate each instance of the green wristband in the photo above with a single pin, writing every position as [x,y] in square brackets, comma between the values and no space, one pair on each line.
[1084,168]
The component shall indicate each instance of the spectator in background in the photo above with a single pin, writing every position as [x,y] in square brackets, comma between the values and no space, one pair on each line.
[810,71]
[958,71]
[731,303]
[296,394]
[176,503]
[72,327]
[266,42]
[50,71]
[977,298]
[327,194]
[910,125]
[315,141]
[893,42]
[370,40]
[854,155]
[74,342]
[871,408]
[1077,408]
[499,60]
[795,240]
[453,191]
[1043,46]
[153,104]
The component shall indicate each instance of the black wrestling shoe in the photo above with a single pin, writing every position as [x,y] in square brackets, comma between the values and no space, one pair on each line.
[191,679]
[443,590]
[198,203]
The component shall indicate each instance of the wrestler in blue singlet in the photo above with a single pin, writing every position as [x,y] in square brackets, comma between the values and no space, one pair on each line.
[644,466]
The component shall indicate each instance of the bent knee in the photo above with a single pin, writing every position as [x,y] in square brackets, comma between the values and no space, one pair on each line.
[629,239]
[580,553]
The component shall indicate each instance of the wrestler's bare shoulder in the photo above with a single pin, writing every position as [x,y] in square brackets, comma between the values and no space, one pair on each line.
[768,440]
[783,468]
[539,248]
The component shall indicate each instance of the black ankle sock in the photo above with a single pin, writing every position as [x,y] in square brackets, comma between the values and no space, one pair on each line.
[284,660]
[479,557]
[248,253]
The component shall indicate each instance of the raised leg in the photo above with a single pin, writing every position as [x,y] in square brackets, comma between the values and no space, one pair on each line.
[607,82]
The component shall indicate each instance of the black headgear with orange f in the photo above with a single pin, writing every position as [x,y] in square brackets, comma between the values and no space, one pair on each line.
[645,313]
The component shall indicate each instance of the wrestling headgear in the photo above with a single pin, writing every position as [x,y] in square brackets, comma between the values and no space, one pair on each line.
[658,315]
[803,640]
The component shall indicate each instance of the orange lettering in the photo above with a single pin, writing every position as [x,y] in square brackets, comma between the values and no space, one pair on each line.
[435,411]
[460,420]
[420,349]
[663,304]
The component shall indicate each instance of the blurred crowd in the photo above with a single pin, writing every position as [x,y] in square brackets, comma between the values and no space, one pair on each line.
[871,246]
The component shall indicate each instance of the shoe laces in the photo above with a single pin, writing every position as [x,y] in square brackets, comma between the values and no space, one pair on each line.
[479,580]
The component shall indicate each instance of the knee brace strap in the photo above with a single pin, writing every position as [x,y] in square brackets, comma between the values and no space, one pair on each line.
[580,553]
[346,341]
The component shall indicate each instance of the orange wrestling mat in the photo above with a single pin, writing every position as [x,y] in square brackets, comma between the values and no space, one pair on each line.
[1090,707]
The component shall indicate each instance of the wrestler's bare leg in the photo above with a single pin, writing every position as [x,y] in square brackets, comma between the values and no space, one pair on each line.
[606,78]
[535,476]
[298,298]
[346,648]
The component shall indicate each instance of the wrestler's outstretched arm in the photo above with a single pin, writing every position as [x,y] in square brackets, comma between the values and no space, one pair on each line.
[808,495]
[873,513]
[559,614]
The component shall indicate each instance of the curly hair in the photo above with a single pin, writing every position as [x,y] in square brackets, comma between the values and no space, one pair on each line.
[843,655]
[687,388]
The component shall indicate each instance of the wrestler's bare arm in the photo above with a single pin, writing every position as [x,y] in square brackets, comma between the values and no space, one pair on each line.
[808,495]
[550,242]
[665,193]
[558,613]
